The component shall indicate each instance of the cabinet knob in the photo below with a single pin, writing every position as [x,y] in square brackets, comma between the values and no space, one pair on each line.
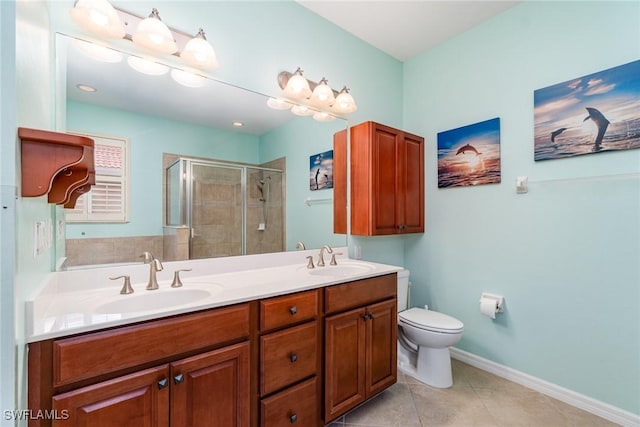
[293,310]
[293,418]
[163,383]
[371,316]
[293,357]
[365,316]
[178,379]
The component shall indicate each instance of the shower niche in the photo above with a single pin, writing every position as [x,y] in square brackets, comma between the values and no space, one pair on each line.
[217,209]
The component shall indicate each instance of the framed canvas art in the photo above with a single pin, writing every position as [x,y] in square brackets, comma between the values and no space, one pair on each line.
[589,114]
[321,171]
[469,155]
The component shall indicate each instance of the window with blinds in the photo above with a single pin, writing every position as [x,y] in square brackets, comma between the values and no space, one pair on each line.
[108,200]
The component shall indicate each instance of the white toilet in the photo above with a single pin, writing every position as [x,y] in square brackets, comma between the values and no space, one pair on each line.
[424,338]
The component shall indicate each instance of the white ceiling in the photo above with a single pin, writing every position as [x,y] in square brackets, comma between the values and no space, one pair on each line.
[404,29]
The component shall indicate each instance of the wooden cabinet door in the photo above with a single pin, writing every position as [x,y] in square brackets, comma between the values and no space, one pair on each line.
[344,362]
[381,351]
[137,400]
[411,206]
[386,192]
[212,389]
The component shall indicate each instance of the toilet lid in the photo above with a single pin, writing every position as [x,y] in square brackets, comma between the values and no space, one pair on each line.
[431,320]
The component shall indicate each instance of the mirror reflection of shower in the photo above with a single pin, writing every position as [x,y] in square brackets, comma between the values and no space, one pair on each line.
[226,209]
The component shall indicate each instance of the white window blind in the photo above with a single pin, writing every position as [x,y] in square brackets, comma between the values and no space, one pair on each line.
[108,200]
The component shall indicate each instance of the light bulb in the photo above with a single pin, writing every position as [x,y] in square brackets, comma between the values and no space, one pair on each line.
[199,53]
[297,87]
[323,116]
[302,110]
[322,94]
[154,35]
[344,102]
[98,17]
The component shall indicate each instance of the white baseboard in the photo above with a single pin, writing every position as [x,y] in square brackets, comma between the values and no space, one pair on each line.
[601,409]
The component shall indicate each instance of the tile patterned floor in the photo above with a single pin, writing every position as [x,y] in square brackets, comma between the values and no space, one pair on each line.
[477,398]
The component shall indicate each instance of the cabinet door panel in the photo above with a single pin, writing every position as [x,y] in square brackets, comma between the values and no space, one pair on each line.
[381,347]
[413,177]
[344,362]
[211,389]
[134,400]
[385,189]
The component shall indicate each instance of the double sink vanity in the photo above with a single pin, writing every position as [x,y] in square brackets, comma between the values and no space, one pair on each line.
[276,344]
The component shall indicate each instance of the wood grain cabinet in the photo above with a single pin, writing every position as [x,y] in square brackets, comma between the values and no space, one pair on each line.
[290,360]
[360,342]
[190,370]
[387,181]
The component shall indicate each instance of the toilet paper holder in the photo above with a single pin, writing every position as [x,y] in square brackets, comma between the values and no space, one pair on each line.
[499,299]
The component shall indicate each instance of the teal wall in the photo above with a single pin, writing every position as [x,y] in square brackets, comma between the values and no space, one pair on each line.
[565,255]
[149,137]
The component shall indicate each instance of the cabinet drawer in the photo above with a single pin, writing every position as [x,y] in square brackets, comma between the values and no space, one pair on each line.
[288,309]
[99,353]
[360,292]
[297,405]
[288,356]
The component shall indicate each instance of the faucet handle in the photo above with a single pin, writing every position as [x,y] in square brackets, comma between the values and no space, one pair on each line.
[126,286]
[310,263]
[147,257]
[333,258]
[176,278]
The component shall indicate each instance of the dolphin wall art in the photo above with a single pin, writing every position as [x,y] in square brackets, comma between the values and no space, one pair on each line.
[600,120]
[467,147]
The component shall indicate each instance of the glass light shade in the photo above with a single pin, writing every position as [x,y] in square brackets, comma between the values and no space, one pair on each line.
[302,110]
[344,102]
[322,94]
[323,116]
[199,53]
[97,52]
[186,78]
[145,66]
[279,104]
[98,17]
[297,86]
[154,35]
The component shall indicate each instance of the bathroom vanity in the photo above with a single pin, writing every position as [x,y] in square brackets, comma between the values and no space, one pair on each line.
[302,352]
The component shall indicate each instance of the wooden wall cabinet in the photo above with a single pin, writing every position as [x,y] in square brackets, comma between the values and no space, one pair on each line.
[360,343]
[387,180]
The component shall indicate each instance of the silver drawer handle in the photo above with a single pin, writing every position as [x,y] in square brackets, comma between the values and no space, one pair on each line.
[293,310]
[293,357]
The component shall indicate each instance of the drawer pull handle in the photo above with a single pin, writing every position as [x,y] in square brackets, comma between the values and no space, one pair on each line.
[293,418]
[163,383]
[293,357]
[178,379]
[293,310]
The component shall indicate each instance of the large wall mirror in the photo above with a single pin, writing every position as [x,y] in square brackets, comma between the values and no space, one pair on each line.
[193,127]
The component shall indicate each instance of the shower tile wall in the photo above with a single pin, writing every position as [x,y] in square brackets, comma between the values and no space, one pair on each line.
[109,250]
[272,237]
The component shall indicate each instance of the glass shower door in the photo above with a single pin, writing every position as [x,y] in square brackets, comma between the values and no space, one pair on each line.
[216,211]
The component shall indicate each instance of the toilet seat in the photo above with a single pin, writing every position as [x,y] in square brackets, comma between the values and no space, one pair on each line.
[430,320]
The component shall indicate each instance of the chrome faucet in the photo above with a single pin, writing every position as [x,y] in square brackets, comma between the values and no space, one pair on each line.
[321,256]
[154,266]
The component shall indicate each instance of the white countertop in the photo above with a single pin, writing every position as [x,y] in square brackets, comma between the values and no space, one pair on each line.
[72,302]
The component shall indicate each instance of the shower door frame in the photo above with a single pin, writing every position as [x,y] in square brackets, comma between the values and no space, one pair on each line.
[186,171]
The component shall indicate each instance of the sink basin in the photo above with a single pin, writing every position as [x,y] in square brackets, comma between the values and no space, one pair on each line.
[152,300]
[341,270]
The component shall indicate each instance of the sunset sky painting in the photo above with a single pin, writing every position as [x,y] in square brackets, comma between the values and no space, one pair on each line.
[469,155]
[590,114]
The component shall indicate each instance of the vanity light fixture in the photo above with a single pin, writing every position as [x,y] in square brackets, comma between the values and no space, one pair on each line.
[310,98]
[98,17]
[199,53]
[154,35]
[237,124]
[151,35]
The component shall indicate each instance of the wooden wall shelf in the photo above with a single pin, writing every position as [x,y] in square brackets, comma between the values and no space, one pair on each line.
[57,164]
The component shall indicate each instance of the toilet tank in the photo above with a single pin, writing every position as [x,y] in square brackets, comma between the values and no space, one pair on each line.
[403,289]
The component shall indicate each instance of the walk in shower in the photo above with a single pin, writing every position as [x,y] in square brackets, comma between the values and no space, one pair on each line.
[228,209]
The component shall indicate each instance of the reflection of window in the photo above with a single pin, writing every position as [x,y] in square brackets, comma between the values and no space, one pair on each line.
[108,200]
